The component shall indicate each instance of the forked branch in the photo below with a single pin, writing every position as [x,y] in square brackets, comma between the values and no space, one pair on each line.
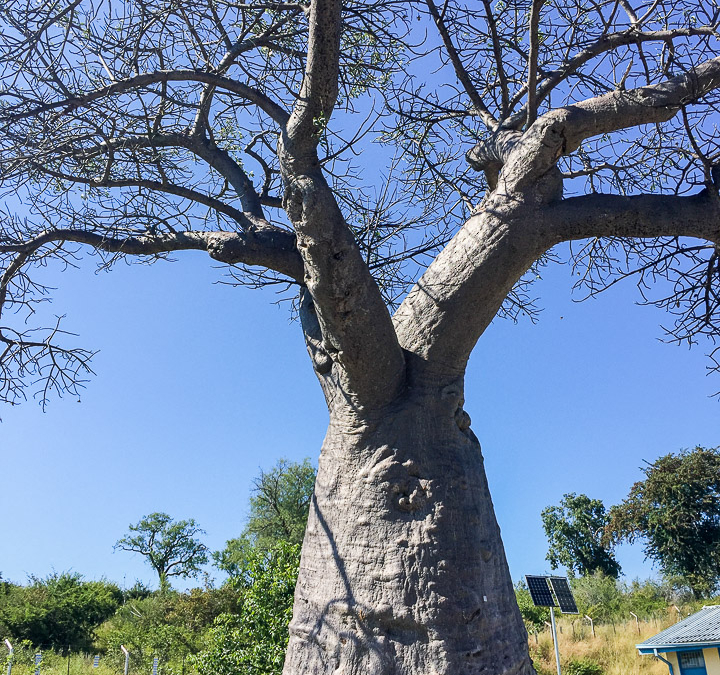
[357,333]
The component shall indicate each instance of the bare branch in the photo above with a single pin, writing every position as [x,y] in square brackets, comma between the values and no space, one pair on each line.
[462,74]
[272,109]
[267,246]
[533,61]
[606,43]
[563,130]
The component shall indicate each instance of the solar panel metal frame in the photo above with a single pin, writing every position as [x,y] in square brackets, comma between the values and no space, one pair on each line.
[561,589]
[540,591]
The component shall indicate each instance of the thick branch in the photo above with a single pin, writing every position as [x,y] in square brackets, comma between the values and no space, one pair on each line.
[357,333]
[319,90]
[268,247]
[641,216]
[460,293]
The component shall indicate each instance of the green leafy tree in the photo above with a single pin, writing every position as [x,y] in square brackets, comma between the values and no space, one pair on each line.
[575,531]
[280,503]
[675,511]
[253,641]
[59,612]
[279,506]
[599,596]
[171,547]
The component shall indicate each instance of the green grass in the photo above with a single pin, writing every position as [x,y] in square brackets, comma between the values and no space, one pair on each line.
[55,664]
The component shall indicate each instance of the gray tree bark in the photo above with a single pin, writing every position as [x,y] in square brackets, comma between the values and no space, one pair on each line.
[403,568]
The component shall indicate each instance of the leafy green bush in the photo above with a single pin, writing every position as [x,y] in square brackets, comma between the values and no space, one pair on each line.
[58,612]
[253,641]
[599,596]
[583,667]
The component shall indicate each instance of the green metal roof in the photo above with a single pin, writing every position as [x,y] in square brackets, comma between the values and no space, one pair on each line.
[701,629]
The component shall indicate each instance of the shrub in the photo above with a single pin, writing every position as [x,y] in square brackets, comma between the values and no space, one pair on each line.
[60,612]
[254,640]
[583,667]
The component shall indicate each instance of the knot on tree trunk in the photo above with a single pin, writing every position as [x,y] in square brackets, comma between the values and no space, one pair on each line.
[490,154]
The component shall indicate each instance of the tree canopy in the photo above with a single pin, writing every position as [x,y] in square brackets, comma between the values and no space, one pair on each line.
[575,530]
[145,128]
[279,506]
[171,547]
[675,512]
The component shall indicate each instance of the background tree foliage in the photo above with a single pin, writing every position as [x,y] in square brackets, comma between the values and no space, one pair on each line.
[171,547]
[59,612]
[279,505]
[575,530]
[167,624]
[675,512]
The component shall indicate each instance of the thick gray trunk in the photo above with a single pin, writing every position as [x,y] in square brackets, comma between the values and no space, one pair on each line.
[403,570]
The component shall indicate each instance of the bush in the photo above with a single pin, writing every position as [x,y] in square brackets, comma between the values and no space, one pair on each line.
[254,640]
[583,667]
[59,612]
[599,596]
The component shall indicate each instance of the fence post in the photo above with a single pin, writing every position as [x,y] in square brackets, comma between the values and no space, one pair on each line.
[10,657]
[127,659]
[592,624]
[637,622]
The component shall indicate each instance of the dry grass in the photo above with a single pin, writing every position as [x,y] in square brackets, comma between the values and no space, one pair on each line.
[613,648]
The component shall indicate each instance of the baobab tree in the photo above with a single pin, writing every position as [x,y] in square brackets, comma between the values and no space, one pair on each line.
[253,131]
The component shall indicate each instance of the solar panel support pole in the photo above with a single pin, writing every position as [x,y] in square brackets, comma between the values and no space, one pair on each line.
[555,639]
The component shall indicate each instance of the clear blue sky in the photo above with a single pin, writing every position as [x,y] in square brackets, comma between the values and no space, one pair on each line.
[199,385]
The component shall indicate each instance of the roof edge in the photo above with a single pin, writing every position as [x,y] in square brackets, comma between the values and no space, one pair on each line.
[676,646]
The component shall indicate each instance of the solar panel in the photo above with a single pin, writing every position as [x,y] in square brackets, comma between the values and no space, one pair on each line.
[539,591]
[564,595]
